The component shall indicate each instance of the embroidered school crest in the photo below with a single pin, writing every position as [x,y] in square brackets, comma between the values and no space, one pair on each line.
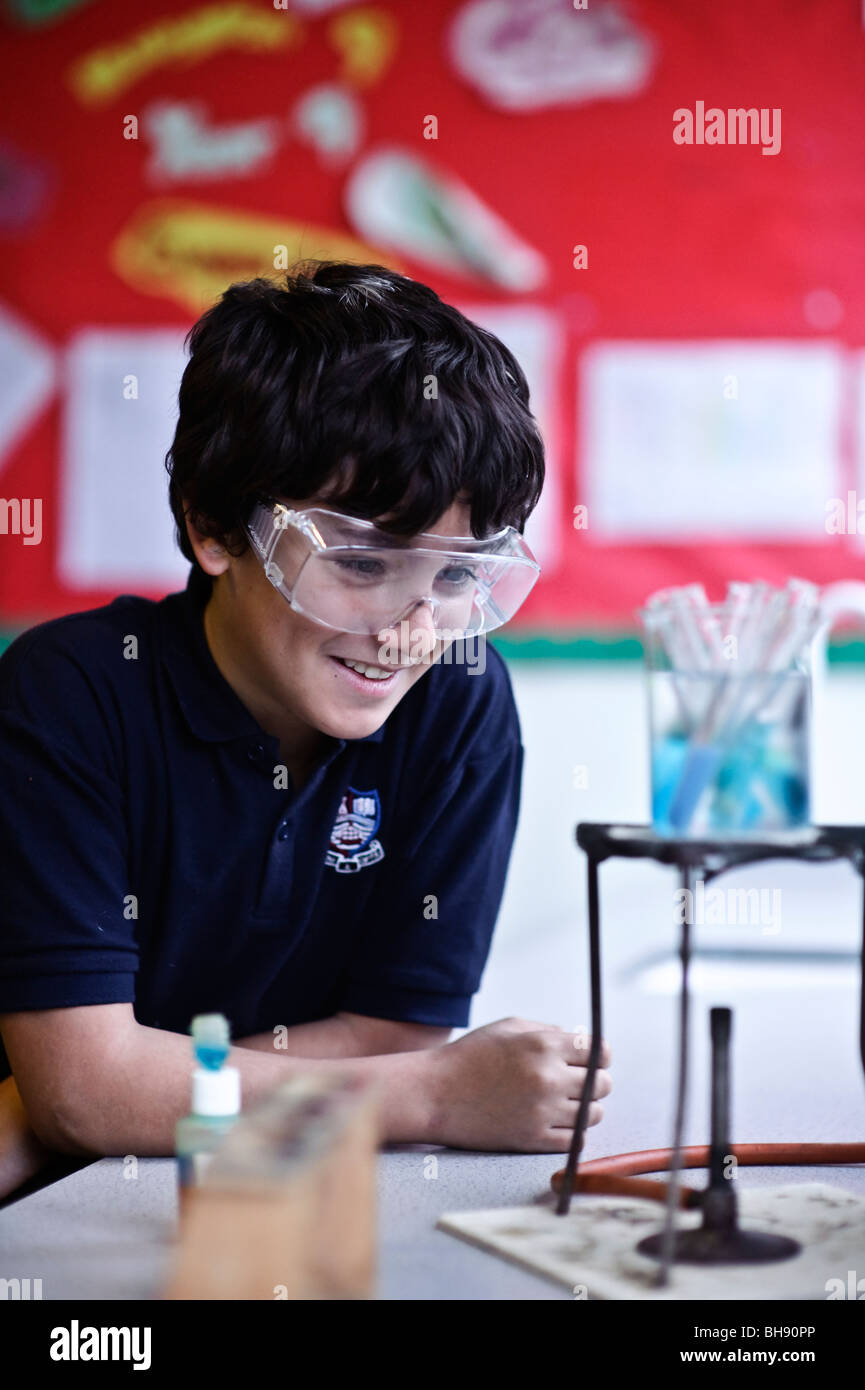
[352,847]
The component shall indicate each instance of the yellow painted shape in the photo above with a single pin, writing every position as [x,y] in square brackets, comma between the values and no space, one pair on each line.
[191,252]
[367,40]
[106,72]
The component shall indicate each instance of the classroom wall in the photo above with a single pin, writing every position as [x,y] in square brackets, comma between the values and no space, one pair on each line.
[691,316]
[586,737]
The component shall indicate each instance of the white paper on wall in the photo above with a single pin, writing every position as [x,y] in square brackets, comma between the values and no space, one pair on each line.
[854,513]
[726,439]
[27,379]
[534,337]
[117,531]
[116,526]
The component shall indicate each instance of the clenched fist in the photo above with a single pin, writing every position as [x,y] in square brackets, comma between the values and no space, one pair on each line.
[513,1086]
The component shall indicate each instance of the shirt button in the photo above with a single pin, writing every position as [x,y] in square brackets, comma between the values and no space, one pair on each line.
[284,831]
[254,754]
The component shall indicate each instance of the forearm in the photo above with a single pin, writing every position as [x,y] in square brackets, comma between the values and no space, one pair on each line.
[326,1037]
[133,1106]
[346,1034]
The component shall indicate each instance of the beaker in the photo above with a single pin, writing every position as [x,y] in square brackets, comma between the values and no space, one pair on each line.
[730,747]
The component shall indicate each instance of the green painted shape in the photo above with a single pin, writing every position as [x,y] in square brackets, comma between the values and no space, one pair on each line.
[569,646]
[580,646]
[624,646]
[40,11]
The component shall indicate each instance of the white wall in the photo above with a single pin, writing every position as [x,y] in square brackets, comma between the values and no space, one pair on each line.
[796,1067]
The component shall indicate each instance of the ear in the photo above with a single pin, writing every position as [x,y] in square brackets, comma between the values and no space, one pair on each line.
[212,557]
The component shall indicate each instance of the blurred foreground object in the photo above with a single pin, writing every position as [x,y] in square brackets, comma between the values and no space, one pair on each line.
[286,1210]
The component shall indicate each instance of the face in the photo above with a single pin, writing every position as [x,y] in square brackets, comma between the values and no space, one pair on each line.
[293,673]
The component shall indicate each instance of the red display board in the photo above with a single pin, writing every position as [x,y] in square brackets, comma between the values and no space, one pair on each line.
[690,312]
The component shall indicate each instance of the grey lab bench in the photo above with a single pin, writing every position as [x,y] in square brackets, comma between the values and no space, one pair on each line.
[107,1231]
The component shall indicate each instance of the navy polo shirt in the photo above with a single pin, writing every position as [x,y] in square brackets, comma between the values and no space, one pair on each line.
[151,851]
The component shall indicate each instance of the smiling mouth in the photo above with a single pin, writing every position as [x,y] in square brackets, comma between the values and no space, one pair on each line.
[365,668]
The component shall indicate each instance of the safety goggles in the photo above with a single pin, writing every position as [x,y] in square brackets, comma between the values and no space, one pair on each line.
[350,575]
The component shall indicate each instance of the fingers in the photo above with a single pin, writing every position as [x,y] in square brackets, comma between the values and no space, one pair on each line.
[577,1080]
[574,1044]
[563,1110]
[557,1138]
[579,1045]
[525,1025]
[568,1082]
[563,1114]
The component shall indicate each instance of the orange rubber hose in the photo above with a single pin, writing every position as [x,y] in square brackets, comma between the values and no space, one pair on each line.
[615,1169]
[611,1185]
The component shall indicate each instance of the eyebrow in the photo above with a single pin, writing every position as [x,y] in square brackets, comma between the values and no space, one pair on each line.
[342,526]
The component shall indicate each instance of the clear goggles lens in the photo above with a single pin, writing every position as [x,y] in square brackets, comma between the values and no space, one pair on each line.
[350,575]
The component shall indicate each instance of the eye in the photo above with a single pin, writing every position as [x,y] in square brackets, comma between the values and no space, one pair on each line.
[457,576]
[360,568]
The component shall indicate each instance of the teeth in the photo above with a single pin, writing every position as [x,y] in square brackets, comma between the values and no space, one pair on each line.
[373,673]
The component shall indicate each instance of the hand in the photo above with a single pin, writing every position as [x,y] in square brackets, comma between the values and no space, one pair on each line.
[512,1086]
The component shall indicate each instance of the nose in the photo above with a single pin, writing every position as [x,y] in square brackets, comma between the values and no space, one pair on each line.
[413,633]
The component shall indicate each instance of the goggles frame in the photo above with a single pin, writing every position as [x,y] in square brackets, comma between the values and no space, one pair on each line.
[269,519]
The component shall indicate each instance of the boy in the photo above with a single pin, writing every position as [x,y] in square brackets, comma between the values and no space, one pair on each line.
[289,793]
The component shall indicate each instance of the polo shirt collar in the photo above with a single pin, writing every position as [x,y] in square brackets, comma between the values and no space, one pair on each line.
[212,710]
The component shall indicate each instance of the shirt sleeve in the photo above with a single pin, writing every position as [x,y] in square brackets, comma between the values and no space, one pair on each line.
[67,926]
[428,930]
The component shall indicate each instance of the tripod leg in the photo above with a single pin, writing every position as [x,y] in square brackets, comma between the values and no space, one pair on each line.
[669,1236]
[566,1189]
[862,972]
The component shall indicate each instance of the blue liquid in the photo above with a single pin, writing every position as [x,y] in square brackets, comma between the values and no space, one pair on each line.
[210,1057]
[752,779]
[700,766]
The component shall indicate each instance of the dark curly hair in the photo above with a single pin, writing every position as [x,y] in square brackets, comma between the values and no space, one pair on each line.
[321,380]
